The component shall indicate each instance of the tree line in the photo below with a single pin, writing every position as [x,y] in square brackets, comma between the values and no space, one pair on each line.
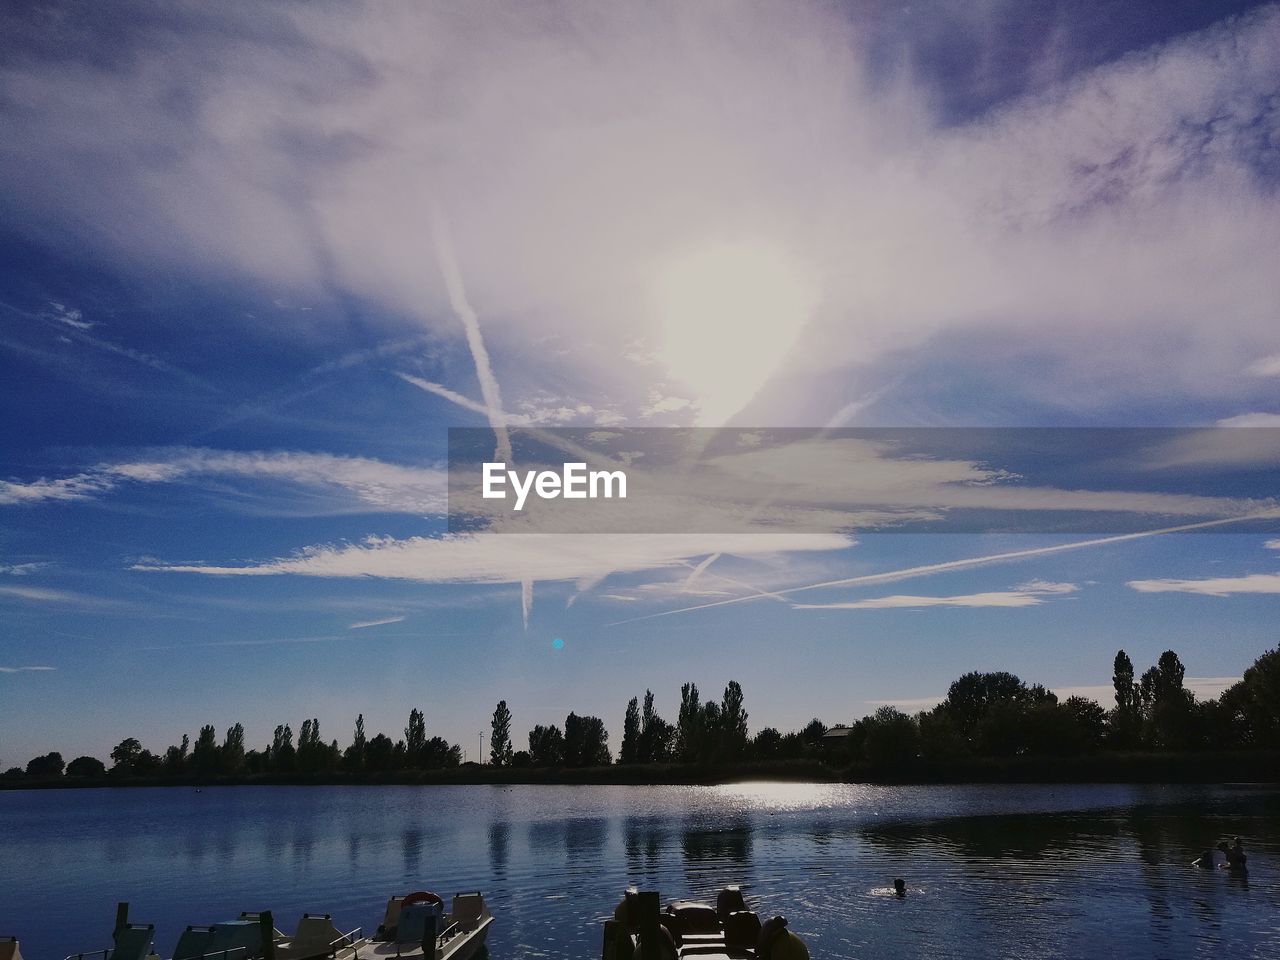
[985,714]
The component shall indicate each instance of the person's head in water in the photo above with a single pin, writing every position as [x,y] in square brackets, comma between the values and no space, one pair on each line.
[900,887]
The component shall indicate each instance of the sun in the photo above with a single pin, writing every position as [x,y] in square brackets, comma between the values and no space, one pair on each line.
[728,313]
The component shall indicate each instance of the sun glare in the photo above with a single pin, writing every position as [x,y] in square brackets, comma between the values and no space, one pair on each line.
[728,315]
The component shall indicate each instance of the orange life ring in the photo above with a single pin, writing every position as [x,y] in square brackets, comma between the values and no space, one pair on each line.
[422,896]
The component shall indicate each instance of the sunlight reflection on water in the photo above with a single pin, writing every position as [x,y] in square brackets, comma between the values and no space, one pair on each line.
[1034,871]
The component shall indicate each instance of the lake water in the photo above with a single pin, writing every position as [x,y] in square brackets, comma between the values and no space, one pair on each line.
[993,871]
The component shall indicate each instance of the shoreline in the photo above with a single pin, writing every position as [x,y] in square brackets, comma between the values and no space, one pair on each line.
[1255,766]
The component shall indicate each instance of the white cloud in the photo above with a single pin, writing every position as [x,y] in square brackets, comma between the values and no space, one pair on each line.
[1103,218]
[1266,367]
[1255,583]
[374,623]
[1272,544]
[21,569]
[1029,594]
[45,595]
[372,484]
[522,558]
[1252,420]
[26,669]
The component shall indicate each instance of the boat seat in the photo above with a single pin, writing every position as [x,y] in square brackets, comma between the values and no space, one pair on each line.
[418,923]
[240,939]
[256,917]
[729,900]
[315,933]
[193,943]
[9,949]
[467,908]
[133,941]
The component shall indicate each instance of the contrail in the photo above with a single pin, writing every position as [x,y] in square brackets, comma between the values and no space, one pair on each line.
[489,391]
[948,565]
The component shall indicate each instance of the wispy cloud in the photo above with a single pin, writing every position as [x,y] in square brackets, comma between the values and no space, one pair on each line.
[929,569]
[1028,595]
[26,669]
[22,569]
[1254,583]
[367,483]
[497,558]
[373,623]
[49,595]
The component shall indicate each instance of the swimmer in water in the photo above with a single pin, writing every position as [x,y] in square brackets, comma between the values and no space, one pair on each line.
[1204,861]
[900,887]
[1236,858]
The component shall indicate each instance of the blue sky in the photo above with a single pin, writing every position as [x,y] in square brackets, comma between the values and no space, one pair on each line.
[253,264]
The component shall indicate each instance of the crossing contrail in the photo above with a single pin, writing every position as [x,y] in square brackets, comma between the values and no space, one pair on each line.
[906,573]
[489,390]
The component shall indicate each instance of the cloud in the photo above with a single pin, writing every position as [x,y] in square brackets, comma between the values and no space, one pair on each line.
[21,569]
[1272,544]
[1252,420]
[26,669]
[1029,594]
[371,484]
[47,595]
[496,558]
[374,623]
[1266,367]
[1101,219]
[1255,583]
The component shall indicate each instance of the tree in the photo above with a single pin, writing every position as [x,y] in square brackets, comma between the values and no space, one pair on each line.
[733,723]
[971,697]
[175,758]
[813,732]
[125,757]
[1259,700]
[88,767]
[233,749]
[586,742]
[500,736]
[380,754]
[630,749]
[281,754]
[204,756]
[767,744]
[353,758]
[415,739]
[892,738]
[1090,718]
[656,735]
[689,724]
[1126,719]
[546,746]
[50,765]
[1169,709]
[940,737]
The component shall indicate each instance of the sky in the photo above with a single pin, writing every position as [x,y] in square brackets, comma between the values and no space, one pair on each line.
[255,262]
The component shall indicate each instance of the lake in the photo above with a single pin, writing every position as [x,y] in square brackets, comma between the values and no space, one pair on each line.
[992,871]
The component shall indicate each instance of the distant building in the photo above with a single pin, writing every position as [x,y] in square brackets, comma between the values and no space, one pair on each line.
[836,736]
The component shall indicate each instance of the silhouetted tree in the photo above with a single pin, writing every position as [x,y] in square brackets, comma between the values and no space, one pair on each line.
[415,739]
[891,738]
[282,755]
[204,755]
[353,758]
[88,767]
[767,744]
[940,736]
[733,723]
[689,724]
[175,758]
[380,754]
[546,746]
[630,750]
[656,735]
[50,765]
[500,736]
[586,742]
[233,749]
